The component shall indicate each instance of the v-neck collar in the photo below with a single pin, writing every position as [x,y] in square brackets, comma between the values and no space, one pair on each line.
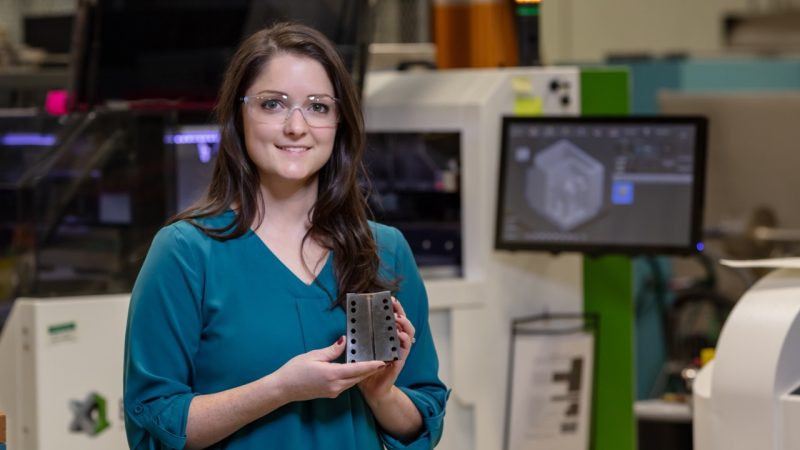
[318,277]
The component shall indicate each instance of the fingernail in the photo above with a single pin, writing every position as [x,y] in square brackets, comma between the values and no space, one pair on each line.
[340,341]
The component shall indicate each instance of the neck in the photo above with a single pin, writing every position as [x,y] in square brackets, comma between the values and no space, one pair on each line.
[286,207]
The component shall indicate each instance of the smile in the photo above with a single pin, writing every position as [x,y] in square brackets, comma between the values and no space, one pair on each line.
[293,149]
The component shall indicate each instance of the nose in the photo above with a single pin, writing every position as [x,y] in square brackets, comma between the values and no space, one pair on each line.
[295,122]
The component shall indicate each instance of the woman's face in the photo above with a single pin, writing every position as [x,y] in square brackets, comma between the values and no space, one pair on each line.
[290,92]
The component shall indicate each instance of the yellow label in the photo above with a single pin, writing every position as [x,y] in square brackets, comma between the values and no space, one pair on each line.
[528,106]
[526,102]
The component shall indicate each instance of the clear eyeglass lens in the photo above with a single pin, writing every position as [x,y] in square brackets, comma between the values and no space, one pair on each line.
[318,111]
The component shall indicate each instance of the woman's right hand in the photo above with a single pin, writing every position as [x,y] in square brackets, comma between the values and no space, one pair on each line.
[312,375]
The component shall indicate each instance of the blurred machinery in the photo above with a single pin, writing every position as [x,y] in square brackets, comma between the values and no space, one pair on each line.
[748,101]
[750,212]
[417,184]
[769,32]
[749,395]
[82,197]
[526,15]
[429,131]
[62,373]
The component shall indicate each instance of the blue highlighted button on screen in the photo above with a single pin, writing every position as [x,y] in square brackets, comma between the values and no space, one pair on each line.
[622,193]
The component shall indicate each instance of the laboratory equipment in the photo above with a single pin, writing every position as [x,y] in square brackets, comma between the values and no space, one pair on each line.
[748,396]
[62,373]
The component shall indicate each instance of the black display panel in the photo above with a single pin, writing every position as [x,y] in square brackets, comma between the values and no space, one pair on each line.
[601,184]
[171,54]
[416,181]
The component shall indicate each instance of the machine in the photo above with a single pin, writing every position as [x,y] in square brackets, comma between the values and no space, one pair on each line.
[748,396]
[61,371]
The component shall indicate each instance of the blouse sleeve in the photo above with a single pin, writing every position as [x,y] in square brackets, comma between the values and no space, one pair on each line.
[419,378]
[162,337]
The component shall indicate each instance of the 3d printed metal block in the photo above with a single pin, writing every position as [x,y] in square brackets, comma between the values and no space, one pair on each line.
[371,328]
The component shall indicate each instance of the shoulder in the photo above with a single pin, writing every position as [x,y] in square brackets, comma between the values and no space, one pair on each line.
[385,233]
[189,235]
[388,239]
[181,233]
[393,249]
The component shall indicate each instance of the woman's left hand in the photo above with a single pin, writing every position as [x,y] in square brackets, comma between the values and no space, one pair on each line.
[379,386]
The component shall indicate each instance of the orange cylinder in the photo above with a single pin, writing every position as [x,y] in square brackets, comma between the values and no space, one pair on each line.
[474,35]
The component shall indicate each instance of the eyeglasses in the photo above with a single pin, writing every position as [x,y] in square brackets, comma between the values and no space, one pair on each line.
[319,111]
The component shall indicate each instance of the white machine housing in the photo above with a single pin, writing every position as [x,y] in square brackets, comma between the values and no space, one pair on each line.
[471,315]
[747,397]
[57,351]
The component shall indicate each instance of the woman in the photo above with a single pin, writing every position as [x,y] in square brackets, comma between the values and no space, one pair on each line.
[235,329]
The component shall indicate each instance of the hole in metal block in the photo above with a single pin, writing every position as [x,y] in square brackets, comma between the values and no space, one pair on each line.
[353,320]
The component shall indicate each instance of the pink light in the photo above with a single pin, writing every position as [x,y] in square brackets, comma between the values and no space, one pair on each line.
[57,102]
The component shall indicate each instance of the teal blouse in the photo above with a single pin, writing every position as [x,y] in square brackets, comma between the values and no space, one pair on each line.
[209,315]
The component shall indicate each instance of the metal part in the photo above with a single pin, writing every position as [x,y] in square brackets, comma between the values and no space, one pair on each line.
[371,328]
[791,235]
[747,238]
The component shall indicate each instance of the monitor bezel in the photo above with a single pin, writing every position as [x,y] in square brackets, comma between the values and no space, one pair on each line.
[694,244]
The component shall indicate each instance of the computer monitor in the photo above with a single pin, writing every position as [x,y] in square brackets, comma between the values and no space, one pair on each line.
[601,184]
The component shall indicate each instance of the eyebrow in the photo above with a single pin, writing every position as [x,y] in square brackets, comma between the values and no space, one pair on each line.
[271,91]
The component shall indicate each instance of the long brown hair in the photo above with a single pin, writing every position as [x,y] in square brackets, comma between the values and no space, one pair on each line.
[339,216]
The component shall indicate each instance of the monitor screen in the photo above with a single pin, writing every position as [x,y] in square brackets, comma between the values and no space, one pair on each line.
[601,184]
[194,151]
[416,184]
